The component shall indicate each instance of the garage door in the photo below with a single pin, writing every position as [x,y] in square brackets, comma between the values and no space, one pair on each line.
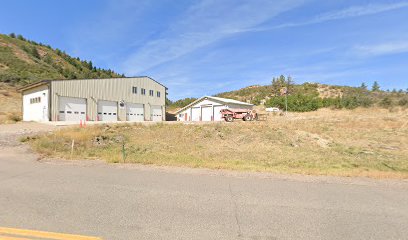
[207,113]
[72,109]
[134,112]
[107,111]
[195,114]
[217,114]
[156,113]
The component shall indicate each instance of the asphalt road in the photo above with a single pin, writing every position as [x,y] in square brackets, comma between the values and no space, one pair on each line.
[135,202]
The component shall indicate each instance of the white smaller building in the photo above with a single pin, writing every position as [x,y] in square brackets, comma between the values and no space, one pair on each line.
[208,109]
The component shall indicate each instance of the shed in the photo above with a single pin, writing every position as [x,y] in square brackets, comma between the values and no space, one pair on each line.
[208,108]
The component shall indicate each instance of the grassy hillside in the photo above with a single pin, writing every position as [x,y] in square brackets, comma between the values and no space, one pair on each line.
[23,61]
[312,96]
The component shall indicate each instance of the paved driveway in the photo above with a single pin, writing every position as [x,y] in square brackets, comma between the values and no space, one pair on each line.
[136,202]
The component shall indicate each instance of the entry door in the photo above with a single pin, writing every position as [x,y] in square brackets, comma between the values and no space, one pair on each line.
[72,109]
[207,114]
[156,113]
[107,110]
[135,112]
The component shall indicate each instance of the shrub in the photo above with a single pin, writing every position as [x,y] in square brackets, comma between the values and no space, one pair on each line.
[34,52]
[386,102]
[14,117]
[403,102]
[296,103]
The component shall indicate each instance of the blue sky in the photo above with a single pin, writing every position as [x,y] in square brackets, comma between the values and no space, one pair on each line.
[204,47]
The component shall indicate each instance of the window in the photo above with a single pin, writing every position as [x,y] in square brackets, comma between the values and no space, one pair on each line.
[35,100]
[158,94]
[134,90]
[151,93]
[143,91]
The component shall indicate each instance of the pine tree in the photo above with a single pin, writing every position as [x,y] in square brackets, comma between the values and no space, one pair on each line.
[35,53]
[376,87]
[19,36]
[363,86]
[12,35]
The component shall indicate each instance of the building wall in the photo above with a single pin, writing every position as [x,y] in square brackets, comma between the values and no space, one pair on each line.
[238,106]
[37,110]
[114,89]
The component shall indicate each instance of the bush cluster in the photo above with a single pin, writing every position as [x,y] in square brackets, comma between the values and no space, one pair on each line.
[305,103]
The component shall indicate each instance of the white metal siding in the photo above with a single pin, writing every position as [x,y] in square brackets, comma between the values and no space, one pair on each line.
[114,89]
[36,110]
[217,113]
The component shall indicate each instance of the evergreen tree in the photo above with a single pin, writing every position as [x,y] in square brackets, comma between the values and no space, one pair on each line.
[35,53]
[12,35]
[363,86]
[290,84]
[376,87]
[19,36]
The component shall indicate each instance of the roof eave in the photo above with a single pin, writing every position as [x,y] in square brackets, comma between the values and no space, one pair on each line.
[33,85]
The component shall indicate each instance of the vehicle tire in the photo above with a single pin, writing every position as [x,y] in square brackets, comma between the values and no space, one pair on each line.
[248,117]
[229,118]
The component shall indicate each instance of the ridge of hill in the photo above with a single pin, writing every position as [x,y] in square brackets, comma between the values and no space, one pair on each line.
[24,61]
[312,96]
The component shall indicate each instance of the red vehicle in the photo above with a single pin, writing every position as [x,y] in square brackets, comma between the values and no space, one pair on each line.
[245,114]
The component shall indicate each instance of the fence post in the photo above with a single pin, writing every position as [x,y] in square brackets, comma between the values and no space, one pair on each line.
[123,152]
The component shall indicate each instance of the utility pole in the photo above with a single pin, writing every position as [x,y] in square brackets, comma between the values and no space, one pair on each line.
[286,102]
[285,92]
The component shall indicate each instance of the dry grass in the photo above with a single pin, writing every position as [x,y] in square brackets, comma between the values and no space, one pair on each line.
[362,142]
[10,104]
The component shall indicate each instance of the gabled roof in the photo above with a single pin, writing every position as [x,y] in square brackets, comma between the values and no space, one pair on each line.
[41,82]
[217,99]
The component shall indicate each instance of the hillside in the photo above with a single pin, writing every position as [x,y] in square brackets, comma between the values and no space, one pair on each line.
[312,96]
[24,61]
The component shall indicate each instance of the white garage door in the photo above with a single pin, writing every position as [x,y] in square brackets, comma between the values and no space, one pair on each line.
[72,109]
[107,111]
[207,113]
[156,113]
[217,114]
[195,114]
[134,112]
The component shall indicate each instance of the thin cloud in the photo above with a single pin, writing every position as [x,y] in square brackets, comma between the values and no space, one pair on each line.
[382,49]
[355,11]
[204,23]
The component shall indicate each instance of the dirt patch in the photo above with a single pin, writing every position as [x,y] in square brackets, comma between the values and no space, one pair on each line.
[329,92]
[18,52]
[3,67]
